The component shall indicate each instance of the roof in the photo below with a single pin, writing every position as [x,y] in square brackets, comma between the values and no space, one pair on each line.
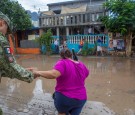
[68,2]
[72,1]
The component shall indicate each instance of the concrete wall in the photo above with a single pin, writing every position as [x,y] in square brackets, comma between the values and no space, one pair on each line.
[71,4]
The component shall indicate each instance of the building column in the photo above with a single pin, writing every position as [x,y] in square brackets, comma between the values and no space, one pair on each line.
[65,20]
[58,31]
[40,32]
[67,31]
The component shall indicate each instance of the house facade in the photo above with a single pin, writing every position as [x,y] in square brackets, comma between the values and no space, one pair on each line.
[74,17]
[72,20]
[69,19]
[25,40]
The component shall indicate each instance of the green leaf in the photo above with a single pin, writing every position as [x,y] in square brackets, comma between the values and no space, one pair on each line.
[17,14]
[45,39]
[122,18]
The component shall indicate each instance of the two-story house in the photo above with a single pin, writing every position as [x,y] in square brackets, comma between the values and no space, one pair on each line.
[78,17]
[71,20]
[73,17]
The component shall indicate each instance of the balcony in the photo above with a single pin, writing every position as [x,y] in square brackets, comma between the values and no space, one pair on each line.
[71,19]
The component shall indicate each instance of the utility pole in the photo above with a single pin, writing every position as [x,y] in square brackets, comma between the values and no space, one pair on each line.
[90,2]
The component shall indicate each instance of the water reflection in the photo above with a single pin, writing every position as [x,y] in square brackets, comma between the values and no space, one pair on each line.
[111,81]
[42,102]
[38,88]
[12,85]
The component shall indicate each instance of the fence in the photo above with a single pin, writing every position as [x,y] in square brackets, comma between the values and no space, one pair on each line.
[74,40]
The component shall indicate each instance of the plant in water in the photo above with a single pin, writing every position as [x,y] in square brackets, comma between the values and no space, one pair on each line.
[45,42]
[86,50]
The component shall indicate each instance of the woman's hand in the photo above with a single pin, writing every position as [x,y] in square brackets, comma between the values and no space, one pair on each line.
[34,70]
[36,74]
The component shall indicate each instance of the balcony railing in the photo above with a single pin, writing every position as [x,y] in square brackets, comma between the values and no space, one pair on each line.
[73,19]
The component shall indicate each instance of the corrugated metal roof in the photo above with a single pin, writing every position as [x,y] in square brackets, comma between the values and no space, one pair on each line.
[69,2]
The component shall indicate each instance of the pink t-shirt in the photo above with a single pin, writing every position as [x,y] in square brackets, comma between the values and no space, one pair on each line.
[71,83]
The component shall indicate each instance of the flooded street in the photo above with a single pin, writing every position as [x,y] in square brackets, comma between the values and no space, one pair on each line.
[111,81]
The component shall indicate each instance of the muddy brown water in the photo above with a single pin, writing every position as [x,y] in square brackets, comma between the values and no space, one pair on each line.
[111,81]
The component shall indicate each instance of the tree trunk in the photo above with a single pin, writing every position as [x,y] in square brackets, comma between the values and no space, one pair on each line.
[128,44]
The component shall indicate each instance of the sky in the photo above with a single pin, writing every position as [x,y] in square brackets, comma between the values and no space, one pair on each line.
[35,5]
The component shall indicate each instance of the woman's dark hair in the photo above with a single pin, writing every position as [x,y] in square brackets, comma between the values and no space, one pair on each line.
[65,53]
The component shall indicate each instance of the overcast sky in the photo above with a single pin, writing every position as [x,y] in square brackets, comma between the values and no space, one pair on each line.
[34,5]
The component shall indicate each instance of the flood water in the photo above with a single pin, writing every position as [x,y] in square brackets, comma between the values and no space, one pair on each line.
[111,81]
